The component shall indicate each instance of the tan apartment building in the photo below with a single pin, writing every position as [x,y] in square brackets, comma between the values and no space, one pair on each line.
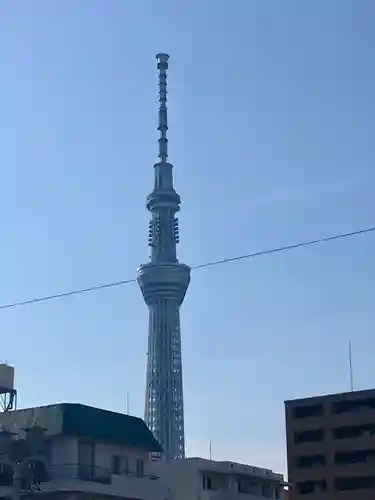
[331,446]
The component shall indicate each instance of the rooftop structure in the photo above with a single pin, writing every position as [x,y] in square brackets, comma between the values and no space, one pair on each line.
[164,282]
[8,393]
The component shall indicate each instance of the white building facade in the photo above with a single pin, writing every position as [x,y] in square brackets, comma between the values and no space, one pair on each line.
[201,479]
[82,453]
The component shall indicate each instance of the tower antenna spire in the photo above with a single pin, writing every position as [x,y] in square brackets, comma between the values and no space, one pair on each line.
[162,65]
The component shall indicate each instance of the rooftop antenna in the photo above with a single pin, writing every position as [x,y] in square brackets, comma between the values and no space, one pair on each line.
[127,403]
[350,366]
[210,450]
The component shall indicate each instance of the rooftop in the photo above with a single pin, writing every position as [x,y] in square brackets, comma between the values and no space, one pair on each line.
[81,421]
[338,395]
[224,467]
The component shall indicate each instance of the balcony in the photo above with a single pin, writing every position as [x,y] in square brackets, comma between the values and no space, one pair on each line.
[95,480]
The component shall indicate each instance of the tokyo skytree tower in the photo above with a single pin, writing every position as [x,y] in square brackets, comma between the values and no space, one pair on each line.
[164,282]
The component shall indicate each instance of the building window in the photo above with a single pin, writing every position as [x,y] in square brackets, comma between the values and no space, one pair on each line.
[278,492]
[353,405]
[267,491]
[306,487]
[354,483]
[309,436]
[6,474]
[120,465]
[116,464]
[308,461]
[353,431]
[140,467]
[206,483]
[353,457]
[125,466]
[308,411]
[86,460]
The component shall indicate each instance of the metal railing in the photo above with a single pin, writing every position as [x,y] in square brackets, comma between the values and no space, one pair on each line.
[68,472]
[91,473]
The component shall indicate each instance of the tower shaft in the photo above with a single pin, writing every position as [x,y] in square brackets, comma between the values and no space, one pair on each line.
[164,282]
[164,410]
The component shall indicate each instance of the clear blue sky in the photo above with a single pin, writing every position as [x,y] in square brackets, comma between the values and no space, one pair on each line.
[271,132]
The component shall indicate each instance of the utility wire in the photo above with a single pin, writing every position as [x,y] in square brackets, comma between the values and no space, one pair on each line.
[66,294]
[325,239]
[198,266]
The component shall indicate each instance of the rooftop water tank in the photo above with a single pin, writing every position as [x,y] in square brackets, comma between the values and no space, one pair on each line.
[6,378]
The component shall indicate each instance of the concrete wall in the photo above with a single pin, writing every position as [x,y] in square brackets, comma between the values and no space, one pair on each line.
[180,478]
[184,478]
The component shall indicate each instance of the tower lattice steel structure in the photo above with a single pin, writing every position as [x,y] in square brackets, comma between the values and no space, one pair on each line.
[164,281]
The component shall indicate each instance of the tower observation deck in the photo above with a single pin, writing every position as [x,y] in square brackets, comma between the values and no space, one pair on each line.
[164,282]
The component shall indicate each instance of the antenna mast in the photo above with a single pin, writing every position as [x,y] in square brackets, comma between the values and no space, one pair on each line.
[350,367]
[162,66]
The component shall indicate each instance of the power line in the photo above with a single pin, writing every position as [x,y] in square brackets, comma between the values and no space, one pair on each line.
[325,239]
[285,248]
[66,294]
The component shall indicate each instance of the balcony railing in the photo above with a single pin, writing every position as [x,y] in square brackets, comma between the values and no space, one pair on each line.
[69,472]
[82,472]
[102,475]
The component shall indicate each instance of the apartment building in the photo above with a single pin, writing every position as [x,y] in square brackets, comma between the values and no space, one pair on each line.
[201,479]
[331,446]
[73,451]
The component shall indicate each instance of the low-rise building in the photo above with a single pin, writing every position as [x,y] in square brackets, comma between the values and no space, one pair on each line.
[73,451]
[201,479]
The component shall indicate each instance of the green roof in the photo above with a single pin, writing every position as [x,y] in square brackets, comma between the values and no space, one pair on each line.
[85,422]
